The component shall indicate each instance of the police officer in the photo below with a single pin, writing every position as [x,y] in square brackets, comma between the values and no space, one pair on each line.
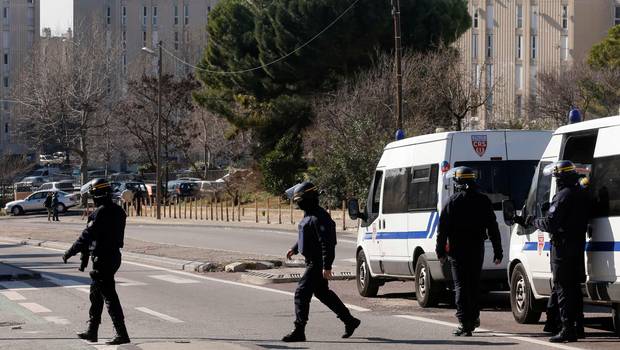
[566,221]
[464,224]
[103,237]
[317,243]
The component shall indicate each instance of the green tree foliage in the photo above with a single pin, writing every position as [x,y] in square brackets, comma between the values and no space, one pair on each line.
[606,54]
[273,101]
[282,166]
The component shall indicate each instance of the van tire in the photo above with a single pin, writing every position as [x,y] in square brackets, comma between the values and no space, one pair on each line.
[522,300]
[367,286]
[615,316]
[426,288]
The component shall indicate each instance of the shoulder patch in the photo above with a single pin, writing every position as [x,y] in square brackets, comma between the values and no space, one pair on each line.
[552,209]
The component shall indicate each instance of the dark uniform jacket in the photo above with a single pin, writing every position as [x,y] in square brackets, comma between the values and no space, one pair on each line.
[104,234]
[465,222]
[566,221]
[317,238]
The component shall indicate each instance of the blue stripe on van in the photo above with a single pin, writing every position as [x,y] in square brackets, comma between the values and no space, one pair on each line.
[406,234]
[435,223]
[590,246]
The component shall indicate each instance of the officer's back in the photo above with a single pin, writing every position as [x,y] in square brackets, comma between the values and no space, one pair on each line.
[317,228]
[571,211]
[108,229]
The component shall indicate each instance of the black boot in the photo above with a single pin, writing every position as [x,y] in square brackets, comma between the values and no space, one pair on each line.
[298,334]
[580,332]
[566,335]
[463,330]
[121,336]
[350,326]
[90,334]
[551,327]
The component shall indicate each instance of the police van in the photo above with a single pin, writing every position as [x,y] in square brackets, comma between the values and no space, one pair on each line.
[398,226]
[594,147]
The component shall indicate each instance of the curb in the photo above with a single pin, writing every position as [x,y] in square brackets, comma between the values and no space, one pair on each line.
[272,277]
[177,264]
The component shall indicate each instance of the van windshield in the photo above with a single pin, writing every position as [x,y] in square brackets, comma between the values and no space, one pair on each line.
[502,180]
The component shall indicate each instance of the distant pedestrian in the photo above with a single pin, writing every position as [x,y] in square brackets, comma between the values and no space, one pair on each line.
[317,243]
[464,224]
[55,203]
[138,197]
[48,206]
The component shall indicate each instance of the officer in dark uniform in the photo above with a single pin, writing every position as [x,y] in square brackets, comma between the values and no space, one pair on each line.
[103,237]
[317,243]
[566,221]
[464,224]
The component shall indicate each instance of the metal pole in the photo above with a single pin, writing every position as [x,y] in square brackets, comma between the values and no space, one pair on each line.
[399,73]
[158,165]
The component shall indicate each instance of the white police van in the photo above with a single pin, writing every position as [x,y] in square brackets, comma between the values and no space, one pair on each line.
[397,233]
[594,146]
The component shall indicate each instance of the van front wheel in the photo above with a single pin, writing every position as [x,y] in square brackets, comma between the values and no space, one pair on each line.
[522,298]
[367,286]
[426,289]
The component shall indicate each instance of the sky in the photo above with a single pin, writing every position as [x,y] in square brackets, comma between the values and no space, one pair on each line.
[57,14]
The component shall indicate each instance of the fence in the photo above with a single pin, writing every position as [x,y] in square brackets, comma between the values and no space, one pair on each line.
[270,211]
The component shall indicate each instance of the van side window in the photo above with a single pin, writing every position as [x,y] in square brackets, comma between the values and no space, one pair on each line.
[422,194]
[395,191]
[605,186]
[374,198]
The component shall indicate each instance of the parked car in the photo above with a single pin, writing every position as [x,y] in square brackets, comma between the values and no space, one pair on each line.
[183,189]
[36,201]
[64,185]
[32,181]
[211,190]
[119,188]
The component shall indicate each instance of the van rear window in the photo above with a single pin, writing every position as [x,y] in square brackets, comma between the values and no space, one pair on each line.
[605,186]
[500,180]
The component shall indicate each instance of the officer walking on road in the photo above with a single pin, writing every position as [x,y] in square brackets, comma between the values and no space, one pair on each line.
[317,243]
[465,222]
[566,221]
[103,236]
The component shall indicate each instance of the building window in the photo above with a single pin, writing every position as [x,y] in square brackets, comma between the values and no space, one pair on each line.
[144,38]
[476,75]
[5,12]
[534,18]
[176,14]
[533,80]
[519,77]
[6,59]
[489,46]
[154,15]
[476,17]
[125,64]
[5,82]
[533,48]
[176,40]
[519,47]
[30,14]
[564,17]
[617,21]
[519,16]
[108,17]
[5,105]
[145,14]
[474,46]
[518,106]
[489,17]
[186,13]
[124,15]
[6,128]
[564,53]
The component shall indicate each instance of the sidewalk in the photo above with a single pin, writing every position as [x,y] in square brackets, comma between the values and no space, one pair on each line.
[13,273]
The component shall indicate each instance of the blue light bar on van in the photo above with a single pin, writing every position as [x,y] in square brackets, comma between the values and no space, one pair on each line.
[400,134]
[574,116]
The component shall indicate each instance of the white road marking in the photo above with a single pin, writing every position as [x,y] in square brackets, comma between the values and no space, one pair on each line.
[159,315]
[126,282]
[84,290]
[493,333]
[64,282]
[57,320]
[12,295]
[104,347]
[35,308]
[16,285]
[174,279]
[350,260]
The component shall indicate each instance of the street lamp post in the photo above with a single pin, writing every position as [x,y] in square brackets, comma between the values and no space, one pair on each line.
[398,56]
[158,185]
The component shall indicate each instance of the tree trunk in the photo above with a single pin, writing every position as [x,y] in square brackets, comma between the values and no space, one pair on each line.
[83,164]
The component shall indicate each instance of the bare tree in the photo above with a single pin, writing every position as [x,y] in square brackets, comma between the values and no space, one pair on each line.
[67,84]
[11,167]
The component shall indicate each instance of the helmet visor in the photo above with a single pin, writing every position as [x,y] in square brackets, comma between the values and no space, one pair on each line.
[549,169]
[290,193]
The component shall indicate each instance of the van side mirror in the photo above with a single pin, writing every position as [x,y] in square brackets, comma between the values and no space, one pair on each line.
[509,212]
[354,210]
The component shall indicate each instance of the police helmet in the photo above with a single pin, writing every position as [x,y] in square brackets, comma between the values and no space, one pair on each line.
[562,169]
[97,188]
[463,175]
[302,191]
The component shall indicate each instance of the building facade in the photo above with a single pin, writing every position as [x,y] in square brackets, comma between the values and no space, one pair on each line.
[510,41]
[20,27]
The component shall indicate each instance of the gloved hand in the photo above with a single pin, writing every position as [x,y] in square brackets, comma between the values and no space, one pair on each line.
[497,258]
[65,257]
[525,222]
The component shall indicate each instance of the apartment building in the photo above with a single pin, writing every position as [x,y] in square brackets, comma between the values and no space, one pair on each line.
[134,24]
[510,41]
[20,25]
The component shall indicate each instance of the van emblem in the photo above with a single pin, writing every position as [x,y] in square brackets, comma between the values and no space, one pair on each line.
[479,142]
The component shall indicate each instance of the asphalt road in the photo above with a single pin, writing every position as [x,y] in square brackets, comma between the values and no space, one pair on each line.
[185,308]
[244,240]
